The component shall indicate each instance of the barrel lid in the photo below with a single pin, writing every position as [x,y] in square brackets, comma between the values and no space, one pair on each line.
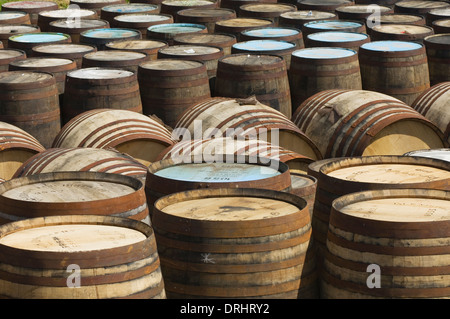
[308,15]
[29,4]
[114,55]
[129,7]
[171,65]
[203,38]
[41,62]
[136,44]
[64,48]
[391,46]
[399,17]
[187,49]
[205,12]
[442,22]
[441,154]
[173,28]
[39,37]
[67,13]
[6,15]
[141,17]
[263,45]
[324,53]
[24,77]
[96,73]
[422,4]
[271,32]
[244,22]
[111,33]
[259,61]
[443,39]
[268,7]
[79,23]
[362,8]
[402,29]
[337,36]
[17,28]
[10,53]
[186,3]
[332,24]
[444,12]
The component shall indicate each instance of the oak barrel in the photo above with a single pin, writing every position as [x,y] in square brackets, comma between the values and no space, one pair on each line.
[362,123]
[141,21]
[323,5]
[14,17]
[31,7]
[26,41]
[135,134]
[9,55]
[333,25]
[305,187]
[438,55]
[100,37]
[71,14]
[205,16]
[222,40]
[348,40]
[297,19]
[360,12]
[289,34]
[100,88]
[437,14]
[8,30]
[235,4]
[167,31]
[393,18]
[400,32]
[403,233]
[76,26]
[237,25]
[71,51]
[419,6]
[95,5]
[173,6]
[270,11]
[441,26]
[116,258]
[148,47]
[114,59]
[109,12]
[234,247]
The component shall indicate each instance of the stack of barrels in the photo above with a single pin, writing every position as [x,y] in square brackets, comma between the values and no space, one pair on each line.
[224,149]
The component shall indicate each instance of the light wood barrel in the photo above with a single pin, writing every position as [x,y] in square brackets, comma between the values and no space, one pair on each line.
[17,146]
[362,123]
[205,16]
[73,193]
[237,25]
[135,134]
[348,40]
[26,41]
[234,247]
[167,31]
[270,11]
[403,232]
[419,7]
[354,174]
[209,148]
[400,32]
[437,14]
[141,21]
[30,101]
[76,26]
[275,33]
[244,117]
[95,5]
[222,40]
[82,159]
[114,59]
[8,30]
[441,26]
[440,154]
[148,47]
[333,25]
[70,14]
[116,258]
[323,5]
[173,6]
[305,187]
[396,68]
[170,86]
[100,88]
[360,12]
[71,51]
[438,56]
[265,76]
[9,55]
[31,7]
[14,17]
[400,18]
[100,37]
[433,104]
[235,4]
[109,12]
[297,19]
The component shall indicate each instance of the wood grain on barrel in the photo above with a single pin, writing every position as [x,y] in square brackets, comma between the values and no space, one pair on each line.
[205,16]
[66,50]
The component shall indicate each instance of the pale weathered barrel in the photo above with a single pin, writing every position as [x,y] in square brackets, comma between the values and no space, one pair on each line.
[73,193]
[71,14]
[100,88]
[135,134]
[14,17]
[26,41]
[17,146]
[437,14]
[114,59]
[400,32]
[265,76]
[441,26]
[71,51]
[396,68]
[80,257]
[362,260]
[235,4]
[205,16]
[289,34]
[148,47]
[31,7]
[361,123]
[9,55]
[170,86]
[433,104]
[230,117]
[167,31]
[234,246]
[141,21]
[237,25]
[333,25]
[100,37]
[221,40]
[95,5]
[8,30]
[348,40]
[360,12]
[296,19]
[109,12]
[270,11]
[30,100]
[173,6]
[419,6]
[304,186]
[82,159]
[438,56]
[76,26]
[323,5]
[393,18]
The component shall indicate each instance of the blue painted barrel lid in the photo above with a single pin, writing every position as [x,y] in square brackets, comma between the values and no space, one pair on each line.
[332,25]
[391,46]
[324,53]
[263,45]
[110,33]
[130,7]
[176,28]
[217,172]
[337,36]
[39,37]
[271,32]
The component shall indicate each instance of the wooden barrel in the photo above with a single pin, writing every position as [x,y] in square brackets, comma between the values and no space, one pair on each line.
[239,250]
[441,26]
[400,18]
[135,134]
[275,33]
[100,37]
[71,51]
[82,159]
[170,86]
[442,154]
[279,48]
[73,193]
[351,175]
[305,187]
[9,55]
[100,88]
[114,59]
[235,4]
[221,40]
[205,16]
[437,14]
[433,104]
[438,55]
[363,123]
[318,69]
[270,11]
[363,227]
[70,14]
[389,3]
[237,25]
[348,40]
[129,265]
[8,30]
[26,41]
[243,118]
[323,5]
[148,47]
[140,21]
[75,27]
[14,17]
[333,25]
[173,6]
[400,32]
[265,76]
[167,31]
[214,147]
[17,146]
[361,12]
[95,5]
[30,101]
[297,19]
[109,12]
[419,7]
[396,68]
[31,7]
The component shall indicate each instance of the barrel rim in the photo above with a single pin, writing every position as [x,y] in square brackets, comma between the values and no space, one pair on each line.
[50,80]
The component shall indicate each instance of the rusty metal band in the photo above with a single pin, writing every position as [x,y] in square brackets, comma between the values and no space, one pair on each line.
[164,83]
[393,91]
[224,73]
[370,62]
[39,161]
[182,102]
[323,73]
[18,96]
[82,93]
[50,116]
